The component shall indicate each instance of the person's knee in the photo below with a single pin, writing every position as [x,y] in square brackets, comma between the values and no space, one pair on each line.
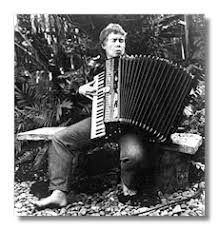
[59,136]
[66,137]
[132,149]
[134,157]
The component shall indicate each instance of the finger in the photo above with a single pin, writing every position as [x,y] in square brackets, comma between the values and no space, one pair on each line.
[88,95]
[91,98]
[91,83]
[92,94]
[92,90]
[90,87]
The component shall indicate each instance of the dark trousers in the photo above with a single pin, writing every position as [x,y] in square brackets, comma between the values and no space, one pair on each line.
[68,143]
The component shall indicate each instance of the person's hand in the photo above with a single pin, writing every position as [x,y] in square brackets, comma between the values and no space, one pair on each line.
[88,90]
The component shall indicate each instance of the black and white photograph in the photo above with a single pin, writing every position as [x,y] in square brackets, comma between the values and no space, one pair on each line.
[110,115]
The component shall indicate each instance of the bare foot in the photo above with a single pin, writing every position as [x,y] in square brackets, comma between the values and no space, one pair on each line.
[57,199]
[127,191]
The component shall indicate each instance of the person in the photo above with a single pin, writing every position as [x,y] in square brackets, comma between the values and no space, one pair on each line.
[67,143]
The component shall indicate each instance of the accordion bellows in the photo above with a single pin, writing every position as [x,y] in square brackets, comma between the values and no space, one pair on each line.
[144,91]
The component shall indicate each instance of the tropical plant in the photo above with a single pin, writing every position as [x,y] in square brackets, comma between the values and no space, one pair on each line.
[48,71]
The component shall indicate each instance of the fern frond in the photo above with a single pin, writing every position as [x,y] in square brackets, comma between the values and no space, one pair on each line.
[24,95]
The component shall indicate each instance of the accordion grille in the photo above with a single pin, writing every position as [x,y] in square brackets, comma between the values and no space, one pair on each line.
[152,93]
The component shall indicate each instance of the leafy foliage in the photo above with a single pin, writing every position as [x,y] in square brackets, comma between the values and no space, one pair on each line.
[48,71]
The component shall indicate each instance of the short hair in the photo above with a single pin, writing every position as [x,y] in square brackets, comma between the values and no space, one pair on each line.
[111,28]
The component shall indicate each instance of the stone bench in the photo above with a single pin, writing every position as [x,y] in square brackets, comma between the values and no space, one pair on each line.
[181,142]
[174,162]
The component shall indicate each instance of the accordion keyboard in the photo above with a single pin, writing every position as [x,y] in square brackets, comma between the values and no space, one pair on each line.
[97,124]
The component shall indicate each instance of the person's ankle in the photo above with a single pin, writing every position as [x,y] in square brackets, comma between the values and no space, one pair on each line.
[58,192]
[127,191]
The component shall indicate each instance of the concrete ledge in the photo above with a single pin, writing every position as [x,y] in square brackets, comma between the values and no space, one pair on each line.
[186,142]
[181,142]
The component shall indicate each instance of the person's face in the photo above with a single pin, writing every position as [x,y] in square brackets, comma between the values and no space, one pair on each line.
[114,45]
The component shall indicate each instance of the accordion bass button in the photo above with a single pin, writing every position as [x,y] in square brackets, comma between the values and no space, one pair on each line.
[163,139]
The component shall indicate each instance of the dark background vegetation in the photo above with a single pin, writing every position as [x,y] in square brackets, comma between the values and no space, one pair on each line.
[55,54]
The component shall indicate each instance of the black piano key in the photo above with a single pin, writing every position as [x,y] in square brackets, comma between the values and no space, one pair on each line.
[99,116]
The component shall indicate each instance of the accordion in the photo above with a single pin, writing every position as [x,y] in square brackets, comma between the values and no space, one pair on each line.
[142,91]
